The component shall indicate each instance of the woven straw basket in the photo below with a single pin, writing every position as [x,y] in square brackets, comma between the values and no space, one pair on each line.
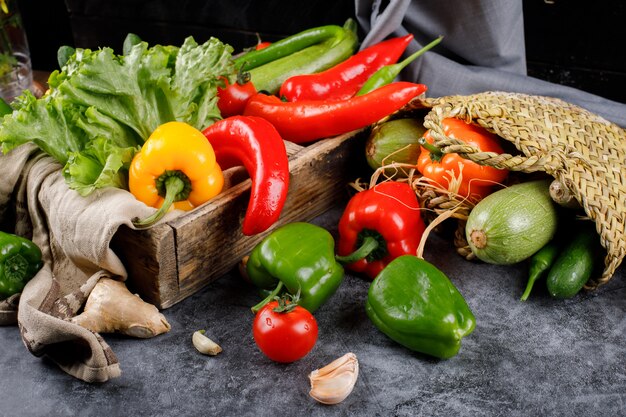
[583,151]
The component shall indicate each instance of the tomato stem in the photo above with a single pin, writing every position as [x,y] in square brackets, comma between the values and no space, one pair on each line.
[255,309]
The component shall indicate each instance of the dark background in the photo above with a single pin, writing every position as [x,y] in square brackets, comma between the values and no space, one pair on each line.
[574,43]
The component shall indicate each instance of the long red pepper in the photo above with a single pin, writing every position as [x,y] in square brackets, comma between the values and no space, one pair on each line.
[346,78]
[377,226]
[310,120]
[254,143]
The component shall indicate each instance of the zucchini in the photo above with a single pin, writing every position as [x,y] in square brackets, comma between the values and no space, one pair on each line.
[395,141]
[574,264]
[563,196]
[511,224]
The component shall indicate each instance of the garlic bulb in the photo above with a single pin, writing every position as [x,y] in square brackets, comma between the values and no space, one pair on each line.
[334,382]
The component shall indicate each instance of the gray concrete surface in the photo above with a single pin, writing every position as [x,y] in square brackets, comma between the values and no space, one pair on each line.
[539,358]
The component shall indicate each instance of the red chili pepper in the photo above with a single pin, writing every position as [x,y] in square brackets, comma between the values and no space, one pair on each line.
[232,98]
[262,45]
[475,181]
[378,225]
[310,120]
[255,144]
[345,79]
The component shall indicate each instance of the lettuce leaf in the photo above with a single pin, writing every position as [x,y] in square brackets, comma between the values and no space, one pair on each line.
[100,164]
[101,107]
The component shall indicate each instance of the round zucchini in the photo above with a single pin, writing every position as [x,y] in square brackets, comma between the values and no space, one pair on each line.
[511,224]
[394,141]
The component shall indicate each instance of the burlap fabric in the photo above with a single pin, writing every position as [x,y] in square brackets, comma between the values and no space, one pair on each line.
[74,233]
[582,150]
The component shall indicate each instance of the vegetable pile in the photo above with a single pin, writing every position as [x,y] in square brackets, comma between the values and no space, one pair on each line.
[101,107]
[510,219]
[164,122]
[108,118]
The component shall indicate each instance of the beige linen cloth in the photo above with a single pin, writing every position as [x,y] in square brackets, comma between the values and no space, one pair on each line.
[73,233]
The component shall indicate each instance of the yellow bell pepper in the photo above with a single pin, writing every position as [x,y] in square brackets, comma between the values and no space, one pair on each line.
[176,168]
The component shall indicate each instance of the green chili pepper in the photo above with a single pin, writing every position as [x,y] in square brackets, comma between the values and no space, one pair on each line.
[415,304]
[288,46]
[20,259]
[299,257]
[315,58]
[388,73]
[539,264]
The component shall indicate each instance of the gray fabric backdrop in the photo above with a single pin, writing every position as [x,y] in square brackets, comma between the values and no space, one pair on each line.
[482,50]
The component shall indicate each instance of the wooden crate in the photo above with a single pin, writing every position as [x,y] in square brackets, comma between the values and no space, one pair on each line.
[175,259]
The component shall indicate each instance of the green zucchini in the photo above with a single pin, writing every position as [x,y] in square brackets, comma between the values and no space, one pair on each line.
[511,224]
[574,264]
[395,141]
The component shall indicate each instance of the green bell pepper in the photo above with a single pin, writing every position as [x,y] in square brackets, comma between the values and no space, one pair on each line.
[415,304]
[301,257]
[20,259]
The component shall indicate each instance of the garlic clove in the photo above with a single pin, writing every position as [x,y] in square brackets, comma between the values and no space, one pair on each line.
[205,345]
[334,382]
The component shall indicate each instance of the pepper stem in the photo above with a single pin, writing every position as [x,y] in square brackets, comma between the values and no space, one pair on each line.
[435,152]
[15,268]
[267,299]
[369,245]
[174,185]
[388,73]
[400,65]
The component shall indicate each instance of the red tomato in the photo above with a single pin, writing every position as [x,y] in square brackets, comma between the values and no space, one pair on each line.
[232,98]
[284,337]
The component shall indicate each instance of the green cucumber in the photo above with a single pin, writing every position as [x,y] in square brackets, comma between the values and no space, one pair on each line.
[315,58]
[395,141]
[574,265]
[511,224]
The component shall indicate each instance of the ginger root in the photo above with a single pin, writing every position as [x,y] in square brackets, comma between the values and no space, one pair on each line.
[111,308]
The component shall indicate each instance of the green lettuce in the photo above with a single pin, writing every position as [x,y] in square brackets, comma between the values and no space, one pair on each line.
[101,107]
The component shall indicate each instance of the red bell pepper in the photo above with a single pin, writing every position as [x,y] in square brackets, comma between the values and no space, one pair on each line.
[451,171]
[310,120]
[255,144]
[346,78]
[379,225]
